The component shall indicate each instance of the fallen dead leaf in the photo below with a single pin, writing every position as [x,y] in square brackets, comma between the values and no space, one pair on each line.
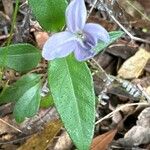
[8,7]
[41,38]
[122,49]
[64,142]
[140,23]
[8,147]
[144,118]
[148,90]
[41,141]
[145,4]
[133,67]
[140,133]
[101,142]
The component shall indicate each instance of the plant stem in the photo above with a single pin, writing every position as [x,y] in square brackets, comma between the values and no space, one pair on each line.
[10,37]
[13,22]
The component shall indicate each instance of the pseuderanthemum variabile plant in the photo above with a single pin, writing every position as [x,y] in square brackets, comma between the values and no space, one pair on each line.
[80,37]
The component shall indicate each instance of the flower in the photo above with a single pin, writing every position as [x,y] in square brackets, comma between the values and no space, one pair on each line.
[80,37]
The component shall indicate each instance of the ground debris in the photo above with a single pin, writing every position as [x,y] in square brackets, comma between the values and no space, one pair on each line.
[132,68]
[124,59]
[138,134]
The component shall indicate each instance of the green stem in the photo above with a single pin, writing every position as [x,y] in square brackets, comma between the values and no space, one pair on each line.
[13,22]
[10,37]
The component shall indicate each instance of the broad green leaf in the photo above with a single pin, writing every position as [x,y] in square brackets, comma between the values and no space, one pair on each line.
[72,90]
[49,13]
[14,92]
[114,35]
[28,104]
[20,57]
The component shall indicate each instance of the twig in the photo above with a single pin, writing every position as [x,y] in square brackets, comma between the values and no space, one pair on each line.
[128,33]
[10,125]
[120,108]
[93,5]
[122,27]
[16,140]
[2,37]
[100,69]
[146,17]
[145,94]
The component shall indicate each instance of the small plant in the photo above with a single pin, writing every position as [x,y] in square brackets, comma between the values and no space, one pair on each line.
[69,77]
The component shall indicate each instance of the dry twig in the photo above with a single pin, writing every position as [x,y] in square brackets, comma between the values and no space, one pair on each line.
[120,108]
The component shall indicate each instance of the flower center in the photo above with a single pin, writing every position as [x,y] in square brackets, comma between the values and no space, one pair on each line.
[80,35]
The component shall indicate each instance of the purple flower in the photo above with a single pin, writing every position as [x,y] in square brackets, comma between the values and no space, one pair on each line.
[80,37]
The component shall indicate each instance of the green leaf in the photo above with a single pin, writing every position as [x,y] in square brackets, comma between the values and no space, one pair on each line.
[49,13]
[14,92]
[47,101]
[73,93]
[114,35]
[28,104]
[20,57]
[26,93]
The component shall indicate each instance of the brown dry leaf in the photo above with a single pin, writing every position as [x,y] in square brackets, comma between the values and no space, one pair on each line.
[123,49]
[145,4]
[8,7]
[144,118]
[8,147]
[139,134]
[133,67]
[41,38]
[148,90]
[64,142]
[140,23]
[101,142]
[40,141]
[129,8]
[6,128]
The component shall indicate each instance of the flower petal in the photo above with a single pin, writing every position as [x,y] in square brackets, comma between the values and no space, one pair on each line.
[76,15]
[95,32]
[83,52]
[59,45]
